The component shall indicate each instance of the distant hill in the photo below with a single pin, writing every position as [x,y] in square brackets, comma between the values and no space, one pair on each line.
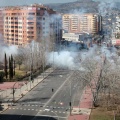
[80,6]
[88,6]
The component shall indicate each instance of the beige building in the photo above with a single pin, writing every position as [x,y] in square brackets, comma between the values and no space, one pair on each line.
[81,23]
[116,32]
[23,24]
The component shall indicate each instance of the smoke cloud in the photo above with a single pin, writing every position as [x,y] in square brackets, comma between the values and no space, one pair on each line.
[8,50]
[106,7]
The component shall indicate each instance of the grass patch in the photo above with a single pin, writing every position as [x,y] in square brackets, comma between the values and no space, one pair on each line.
[101,114]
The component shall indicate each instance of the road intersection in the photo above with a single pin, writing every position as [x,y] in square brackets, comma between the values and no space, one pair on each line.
[41,103]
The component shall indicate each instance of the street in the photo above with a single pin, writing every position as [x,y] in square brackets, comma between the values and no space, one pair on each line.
[49,100]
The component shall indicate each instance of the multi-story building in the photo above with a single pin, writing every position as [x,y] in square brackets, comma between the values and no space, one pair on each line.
[81,23]
[23,24]
[116,32]
[1,23]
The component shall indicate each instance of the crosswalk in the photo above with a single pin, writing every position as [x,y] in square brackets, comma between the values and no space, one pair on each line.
[35,109]
[39,105]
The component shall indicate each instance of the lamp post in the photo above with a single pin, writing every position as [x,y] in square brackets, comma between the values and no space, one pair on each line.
[53,54]
[70,96]
[14,92]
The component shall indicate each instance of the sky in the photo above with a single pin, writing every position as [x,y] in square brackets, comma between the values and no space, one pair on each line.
[21,2]
[24,2]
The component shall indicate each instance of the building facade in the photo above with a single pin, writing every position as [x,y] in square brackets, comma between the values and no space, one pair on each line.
[22,24]
[81,23]
[116,32]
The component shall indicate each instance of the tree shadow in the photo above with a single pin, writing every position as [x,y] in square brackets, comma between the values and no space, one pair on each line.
[25,117]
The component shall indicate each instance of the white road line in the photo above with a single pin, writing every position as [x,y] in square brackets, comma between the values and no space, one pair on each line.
[58,89]
[28,109]
[32,109]
[54,116]
[9,108]
[63,112]
[55,111]
[13,108]
[16,108]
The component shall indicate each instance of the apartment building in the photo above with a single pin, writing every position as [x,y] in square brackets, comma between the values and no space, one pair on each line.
[1,23]
[116,32]
[22,24]
[81,23]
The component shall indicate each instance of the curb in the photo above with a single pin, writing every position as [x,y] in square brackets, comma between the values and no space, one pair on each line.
[27,92]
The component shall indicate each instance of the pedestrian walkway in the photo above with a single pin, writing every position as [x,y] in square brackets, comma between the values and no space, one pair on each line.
[83,111]
[21,88]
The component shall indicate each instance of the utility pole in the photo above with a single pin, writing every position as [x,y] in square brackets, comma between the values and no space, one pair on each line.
[14,92]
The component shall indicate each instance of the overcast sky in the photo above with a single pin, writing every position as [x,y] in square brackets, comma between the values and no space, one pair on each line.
[24,2]
[21,2]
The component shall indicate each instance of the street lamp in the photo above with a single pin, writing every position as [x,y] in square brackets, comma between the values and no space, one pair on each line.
[53,54]
[14,91]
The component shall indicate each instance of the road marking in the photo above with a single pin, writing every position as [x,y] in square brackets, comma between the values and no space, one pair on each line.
[13,108]
[58,90]
[52,116]
[63,112]
[24,109]
[16,108]
[28,109]
[55,111]
[32,109]
[9,108]
[21,108]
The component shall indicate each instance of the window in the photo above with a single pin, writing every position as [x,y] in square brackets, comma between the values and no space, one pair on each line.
[31,13]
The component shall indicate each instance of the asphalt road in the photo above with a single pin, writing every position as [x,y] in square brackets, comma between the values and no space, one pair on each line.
[41,103]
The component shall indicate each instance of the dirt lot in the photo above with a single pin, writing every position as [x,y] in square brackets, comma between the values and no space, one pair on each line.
[101,114]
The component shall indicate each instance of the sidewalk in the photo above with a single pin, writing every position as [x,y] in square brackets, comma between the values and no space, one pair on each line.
[21,88]
[84,110]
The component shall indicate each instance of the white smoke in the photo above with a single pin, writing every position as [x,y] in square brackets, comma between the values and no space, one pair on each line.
[70,60]
[78,11]
[63,59]
[9,50]
[106,7]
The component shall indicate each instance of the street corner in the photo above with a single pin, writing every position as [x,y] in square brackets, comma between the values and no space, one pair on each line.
[3,107]
[81,111]
[78,117]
